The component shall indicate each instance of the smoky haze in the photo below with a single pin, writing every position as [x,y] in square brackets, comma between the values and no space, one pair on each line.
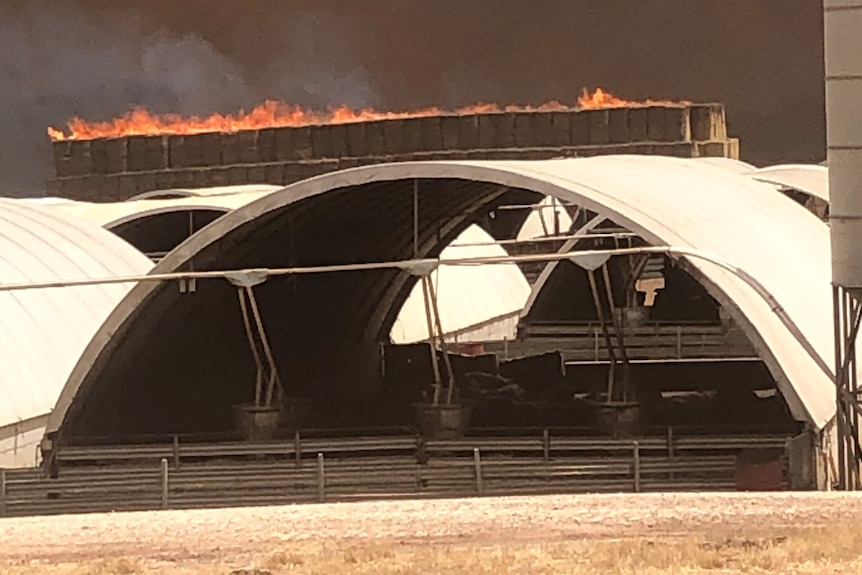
[98,58]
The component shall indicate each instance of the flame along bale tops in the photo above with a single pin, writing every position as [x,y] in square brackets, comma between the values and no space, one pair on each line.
[119,168]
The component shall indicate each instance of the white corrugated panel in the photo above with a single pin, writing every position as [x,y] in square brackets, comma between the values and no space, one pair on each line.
[466,295]
[43,332]
[813,180]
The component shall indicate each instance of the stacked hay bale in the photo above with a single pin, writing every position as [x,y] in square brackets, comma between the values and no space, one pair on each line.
[119,168]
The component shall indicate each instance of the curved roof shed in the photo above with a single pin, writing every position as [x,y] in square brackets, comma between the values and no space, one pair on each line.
[114,214]
[170,351]
[811,179]
[44,332]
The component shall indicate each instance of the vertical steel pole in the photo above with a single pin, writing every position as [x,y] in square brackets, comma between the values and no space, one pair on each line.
[321,479]
[851,399]
[176,451]
[477,463]
[416,219]
[2,492]
[670,453]
[838,322]
[165,485]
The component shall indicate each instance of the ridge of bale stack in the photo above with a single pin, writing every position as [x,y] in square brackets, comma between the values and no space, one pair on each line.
[119,168]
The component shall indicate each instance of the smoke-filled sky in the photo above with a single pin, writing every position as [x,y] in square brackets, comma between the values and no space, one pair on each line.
[98,58]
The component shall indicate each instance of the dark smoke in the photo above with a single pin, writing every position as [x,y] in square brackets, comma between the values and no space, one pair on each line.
[97,58]
[59,60]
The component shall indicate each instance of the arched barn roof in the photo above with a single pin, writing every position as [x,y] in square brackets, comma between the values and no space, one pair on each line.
[735,166]
[204,192]
[811,179]
[44,332]
[159,342]
[466,295]
[113,214]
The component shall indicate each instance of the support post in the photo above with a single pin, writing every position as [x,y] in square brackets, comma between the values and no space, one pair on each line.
[432,339]
[416,219]
[176,452]
[670,453]
[297,448]
[2,492]
[321,480]
[636,465]
[477,463]
[619,329]
[612,356]
[847,316]
[165,484]
[546,445]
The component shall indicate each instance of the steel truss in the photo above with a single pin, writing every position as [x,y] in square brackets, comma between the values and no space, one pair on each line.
[847,315]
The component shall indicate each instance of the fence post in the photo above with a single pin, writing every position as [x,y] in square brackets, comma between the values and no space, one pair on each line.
[596,347]
[165,486]
[2,492]
[477,462]
[546,445]
[297,448]
[176,451]
[321,480]
[670,454]
[636,466]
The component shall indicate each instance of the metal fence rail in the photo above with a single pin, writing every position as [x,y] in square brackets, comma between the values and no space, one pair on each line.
[186,476]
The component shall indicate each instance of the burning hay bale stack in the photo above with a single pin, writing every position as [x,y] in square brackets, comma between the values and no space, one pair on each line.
[117,168]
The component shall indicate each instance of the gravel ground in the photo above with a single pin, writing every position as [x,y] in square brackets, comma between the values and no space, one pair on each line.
[220,535]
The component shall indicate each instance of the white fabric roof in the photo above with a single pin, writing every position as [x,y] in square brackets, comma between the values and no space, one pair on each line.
[111,214]
[668,201]
[811,179]
[44,332]
[493,291]
[466,295]
[211,191]
[736,166]
[540,222]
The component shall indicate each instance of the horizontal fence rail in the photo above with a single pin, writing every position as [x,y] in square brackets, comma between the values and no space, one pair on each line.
[578,342]
[225,474]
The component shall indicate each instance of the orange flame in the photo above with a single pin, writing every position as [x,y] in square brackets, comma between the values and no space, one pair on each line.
[275,114]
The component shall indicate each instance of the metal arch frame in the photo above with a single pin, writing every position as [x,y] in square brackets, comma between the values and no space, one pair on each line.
[154,212]
[400,288]
[738,315]
[847,310]
[581,234]
[139,217]
[406,265]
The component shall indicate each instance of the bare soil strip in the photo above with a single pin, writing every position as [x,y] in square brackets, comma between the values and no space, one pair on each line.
[658,533]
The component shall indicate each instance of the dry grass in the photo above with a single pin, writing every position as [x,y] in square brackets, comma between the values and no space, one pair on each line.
[812,551]
[703,534]
[789,552]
